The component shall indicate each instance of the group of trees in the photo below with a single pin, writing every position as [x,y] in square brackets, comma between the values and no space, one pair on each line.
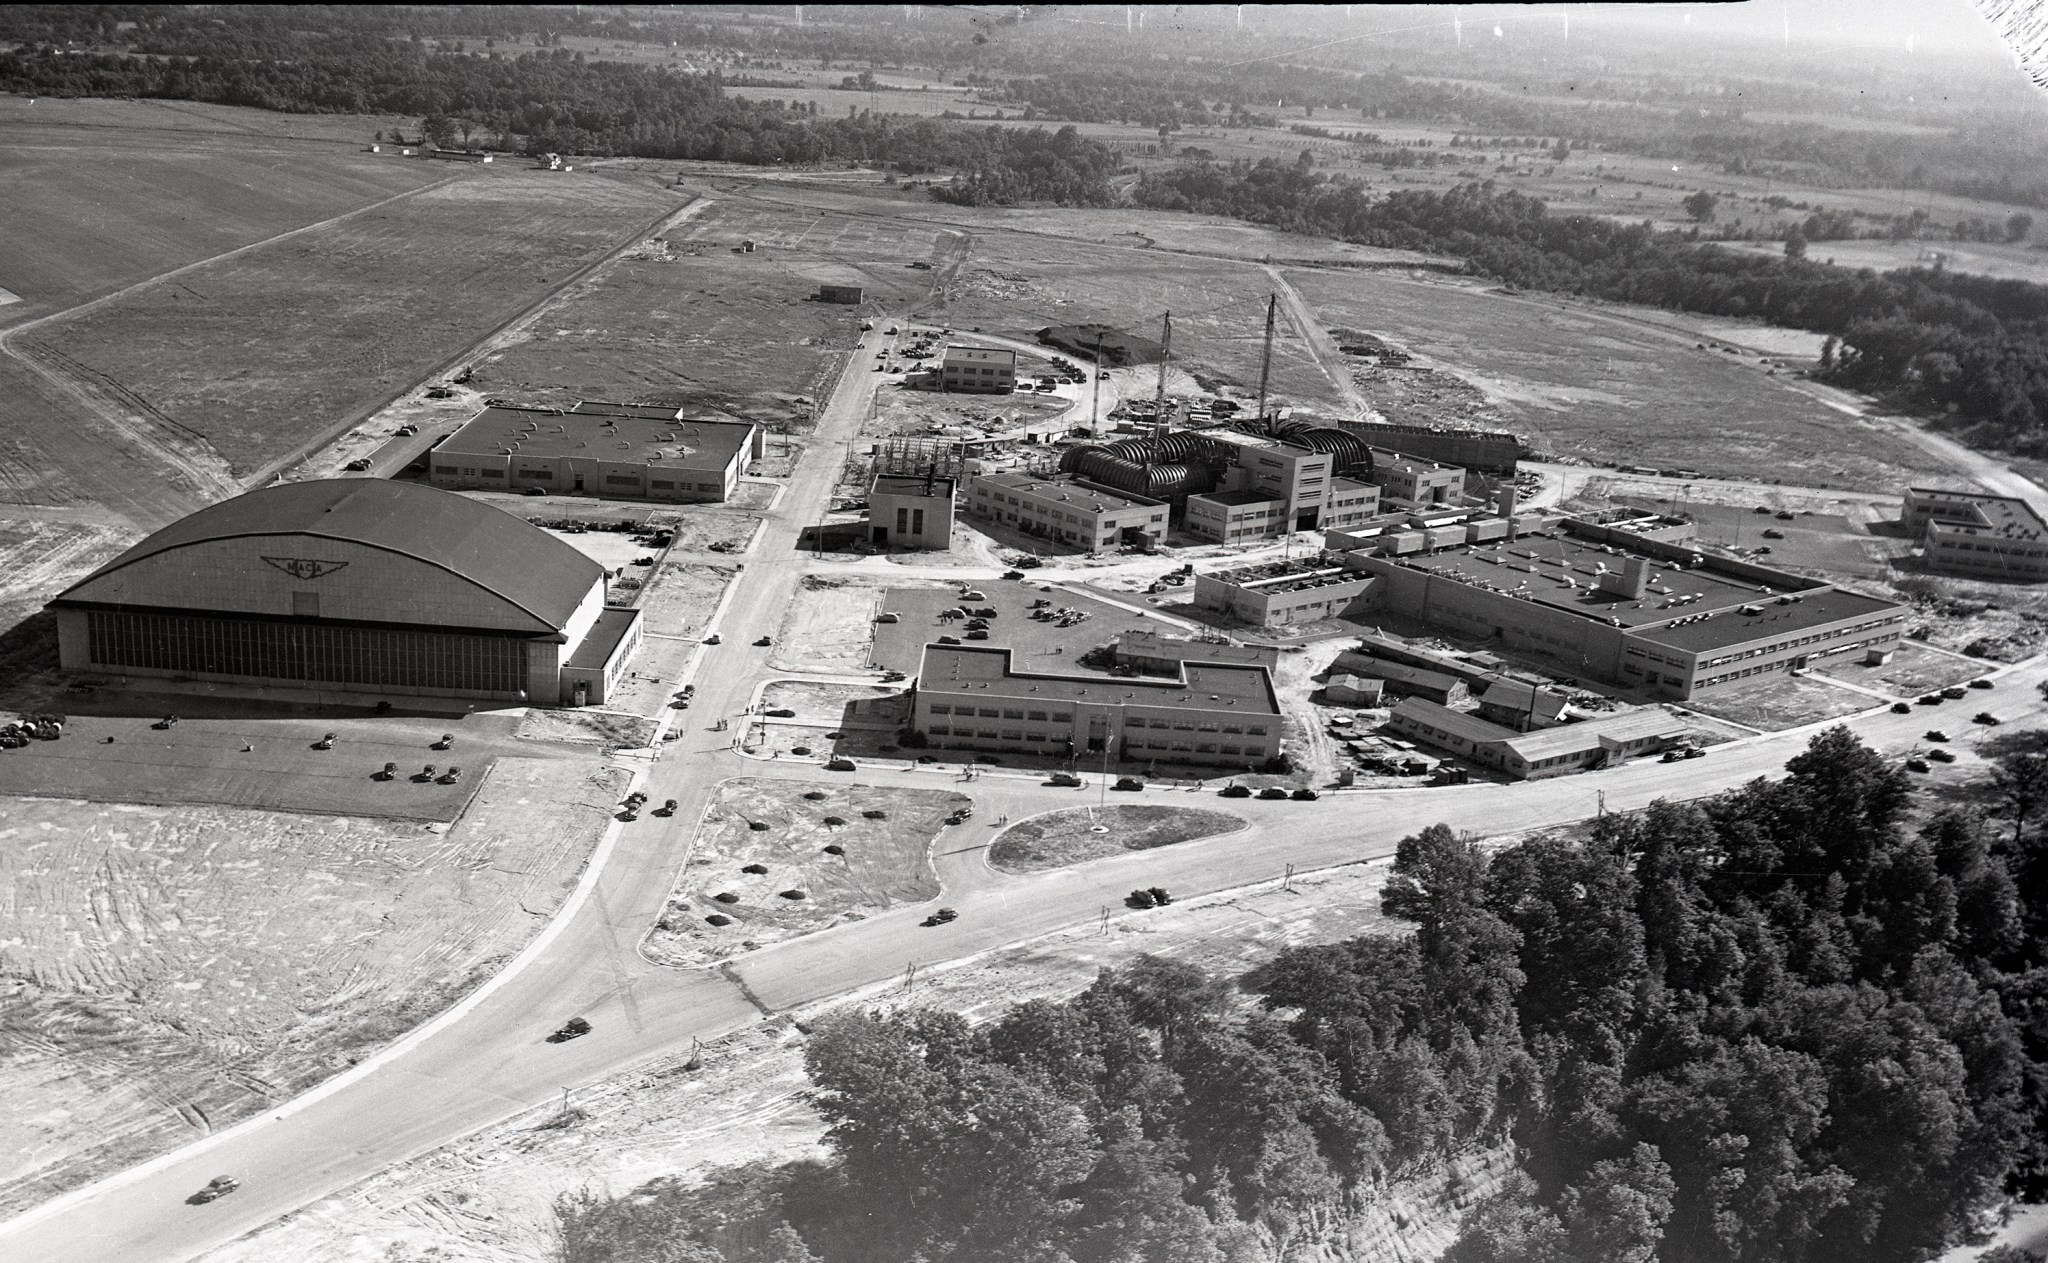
[1784,1023]
[1954,342]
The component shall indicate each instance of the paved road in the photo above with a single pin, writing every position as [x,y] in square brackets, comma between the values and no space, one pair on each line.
[486,1059]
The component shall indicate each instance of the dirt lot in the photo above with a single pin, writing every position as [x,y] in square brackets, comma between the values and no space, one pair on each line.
[931,413]
[829,705]
[829,627]
[169,971]
[884,861]
[682,597]
[1061,838]
[1778,700]
[696,323]
[346,314]
[1913,670]
[42,552]
[488,1196]
[1588,382]
[606,728]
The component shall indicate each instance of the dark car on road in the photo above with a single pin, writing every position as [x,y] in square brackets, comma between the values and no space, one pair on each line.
[216,1188]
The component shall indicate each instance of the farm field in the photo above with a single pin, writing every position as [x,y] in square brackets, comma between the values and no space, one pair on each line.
[688,320]
[170,970]
[97,195]
[259,354]
[1593,384]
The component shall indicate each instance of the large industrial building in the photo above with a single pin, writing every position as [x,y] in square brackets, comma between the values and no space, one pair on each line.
[1602,603]
[1071,510]
[969,697]
[1979,536]
[610,450]
[356,585]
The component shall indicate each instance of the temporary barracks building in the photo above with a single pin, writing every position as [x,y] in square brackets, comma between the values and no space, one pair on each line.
[978,369]
[971,697]
[610,450]
[1162,655]
[1070,510]
[1579,747]
[1602,604]
[1980,536]
[1354,690]
[353,584]
[849,295]
[1282,592]
[1522,707]
[911,511]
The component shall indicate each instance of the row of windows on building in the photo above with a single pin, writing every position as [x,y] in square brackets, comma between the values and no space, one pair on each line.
[547,475]
[1781,664]
[1130,743]
[1067,717]
[1782,645]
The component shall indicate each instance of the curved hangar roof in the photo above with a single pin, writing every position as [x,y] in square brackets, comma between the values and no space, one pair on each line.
[508,557]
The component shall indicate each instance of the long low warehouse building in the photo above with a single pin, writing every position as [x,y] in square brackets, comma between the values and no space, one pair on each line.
[610,450]
[1559,751]
[971,697]
[355,585]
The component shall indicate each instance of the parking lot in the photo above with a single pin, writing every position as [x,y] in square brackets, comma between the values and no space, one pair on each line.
[270,762]
[1035,645]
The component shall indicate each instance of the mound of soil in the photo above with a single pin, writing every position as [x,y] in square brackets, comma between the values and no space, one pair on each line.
[1119,349]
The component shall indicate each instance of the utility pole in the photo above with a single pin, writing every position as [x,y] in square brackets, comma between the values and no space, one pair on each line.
[910,975]
[1104,927]
[1266,361]
[1287,882]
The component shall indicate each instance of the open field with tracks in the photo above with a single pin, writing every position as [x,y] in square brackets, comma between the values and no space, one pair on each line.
[170,970]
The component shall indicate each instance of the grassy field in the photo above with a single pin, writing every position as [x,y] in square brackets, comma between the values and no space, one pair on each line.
[168,971]
[1592,383]
[97,195]
[257,354]
[1058,839]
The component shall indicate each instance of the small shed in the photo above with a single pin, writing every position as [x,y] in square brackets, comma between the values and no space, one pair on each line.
[1354,690]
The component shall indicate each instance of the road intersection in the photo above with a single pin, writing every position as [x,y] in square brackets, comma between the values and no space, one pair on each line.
[486,1060]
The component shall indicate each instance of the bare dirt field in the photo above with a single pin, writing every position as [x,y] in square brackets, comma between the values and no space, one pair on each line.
[346,315]
[169,971]
[682,596]
[694,322]
[828,704]
[930,413]
[1779,700]
[879,861]
[1590,383]
[42,553]
[610,729]
[489,1196]
[1058,839]
[829,627]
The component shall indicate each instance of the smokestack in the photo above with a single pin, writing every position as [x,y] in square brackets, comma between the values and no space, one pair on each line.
[1504,501]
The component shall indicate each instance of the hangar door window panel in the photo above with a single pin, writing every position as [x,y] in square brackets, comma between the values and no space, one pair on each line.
[283,651]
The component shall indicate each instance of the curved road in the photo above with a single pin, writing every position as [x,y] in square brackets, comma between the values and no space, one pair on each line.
[486,1059]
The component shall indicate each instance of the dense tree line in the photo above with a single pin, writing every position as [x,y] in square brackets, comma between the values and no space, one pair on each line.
[1781,1024]
[562,102]
[1953,341]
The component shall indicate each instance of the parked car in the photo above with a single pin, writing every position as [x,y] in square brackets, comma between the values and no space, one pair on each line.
[1786,515]
[1901,708]
[840,763]
[356,466]
[1272,792]
[887,617]
[1774,533]
[1936,734]
[1917,764]
[1931,699]
[713,638]
[1942,754]
[1953,692]
[1235,791]
[979,633]
[952,640]
[1129,784]
[1980,683]
[533,491]
[764,642]
[1304,795]
[941,917]
[1064,779]
[780,712]
[1984,717]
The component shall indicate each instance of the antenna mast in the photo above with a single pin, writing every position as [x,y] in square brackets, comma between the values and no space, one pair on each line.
[1266,363]
[1095,408]
[1159,425]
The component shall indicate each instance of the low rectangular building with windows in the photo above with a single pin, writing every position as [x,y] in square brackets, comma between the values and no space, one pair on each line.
[1223,715]
[1282,592]
[613,451]
[978,370]
[1979,536]
[1069,510]
[1560,751]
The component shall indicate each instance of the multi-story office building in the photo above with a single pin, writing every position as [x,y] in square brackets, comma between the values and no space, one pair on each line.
[1979,536]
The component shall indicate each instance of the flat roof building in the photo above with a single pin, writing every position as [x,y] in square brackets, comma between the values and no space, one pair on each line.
[357,585]
[1150,651]
[610,450]
[911,511]
[1594,602]
[1279,593]
[1561,751]
[978,369]
[1070,510]
[970,697]
[1980,536]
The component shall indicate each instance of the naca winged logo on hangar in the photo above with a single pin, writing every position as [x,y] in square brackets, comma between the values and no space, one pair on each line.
[305,567]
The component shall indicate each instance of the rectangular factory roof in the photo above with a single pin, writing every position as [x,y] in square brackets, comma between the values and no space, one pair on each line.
[911,485]
[1631,725]
[613,622]
[1202,686]
[1535,567]
[626,434]
[1147,644]
[1800,610]
[1085,496]
[1998,515]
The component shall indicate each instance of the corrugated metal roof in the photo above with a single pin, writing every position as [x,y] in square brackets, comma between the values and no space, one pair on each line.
[503,554]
